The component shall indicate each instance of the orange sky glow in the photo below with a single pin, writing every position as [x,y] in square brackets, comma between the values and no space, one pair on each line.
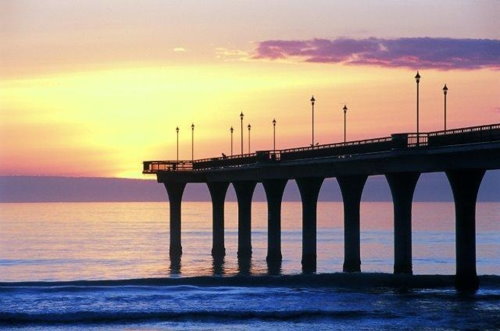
[93,89]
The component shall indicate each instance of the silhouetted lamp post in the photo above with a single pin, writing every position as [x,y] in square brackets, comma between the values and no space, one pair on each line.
[345,122]
[241,118]
[231,140]
[249,128]
[192,142]
[417,79]
[177,130]
[445,92]
[274,135]
[312,111]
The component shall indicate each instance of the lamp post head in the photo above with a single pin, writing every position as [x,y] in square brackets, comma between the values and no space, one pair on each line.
[177,129]
[241,116]
[417,77]
[313,100]
[249,127]
[345,109]
[231,129]
[274,122]
[192,126]
[445,89]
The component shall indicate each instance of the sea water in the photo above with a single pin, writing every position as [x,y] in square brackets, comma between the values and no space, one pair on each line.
[121,249]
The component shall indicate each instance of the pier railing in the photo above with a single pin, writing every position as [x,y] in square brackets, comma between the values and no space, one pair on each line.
[468,135]
[225,161]
[343,148]
[151,167]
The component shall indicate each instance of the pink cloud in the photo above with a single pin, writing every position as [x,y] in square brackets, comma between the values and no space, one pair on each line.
[415,53]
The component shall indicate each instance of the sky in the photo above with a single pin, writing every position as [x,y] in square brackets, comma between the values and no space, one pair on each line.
[93,88]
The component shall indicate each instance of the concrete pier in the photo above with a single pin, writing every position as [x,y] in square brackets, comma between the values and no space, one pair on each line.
[402,188]
[464,154]
[244,192]
[174,191]
[218,193]
[274,192]
[309,191]
[351,188]
[465,186]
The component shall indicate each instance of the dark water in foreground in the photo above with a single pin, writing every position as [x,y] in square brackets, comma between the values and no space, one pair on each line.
[47,249]
[202,303]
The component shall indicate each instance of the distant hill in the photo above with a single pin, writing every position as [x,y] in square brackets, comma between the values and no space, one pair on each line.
[431,187]
[84,189]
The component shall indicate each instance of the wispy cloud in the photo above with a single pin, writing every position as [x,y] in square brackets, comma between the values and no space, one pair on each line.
[228,54]
[415,53]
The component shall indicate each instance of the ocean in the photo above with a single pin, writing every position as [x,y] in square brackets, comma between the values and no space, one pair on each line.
[106,265]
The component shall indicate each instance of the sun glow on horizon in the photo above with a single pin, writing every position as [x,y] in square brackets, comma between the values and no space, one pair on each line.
[106,122]
[119,117]
[85,91]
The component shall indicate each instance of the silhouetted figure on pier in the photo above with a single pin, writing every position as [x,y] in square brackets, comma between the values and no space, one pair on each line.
[463,154]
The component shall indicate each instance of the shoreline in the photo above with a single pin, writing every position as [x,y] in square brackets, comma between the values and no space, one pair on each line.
[348,280]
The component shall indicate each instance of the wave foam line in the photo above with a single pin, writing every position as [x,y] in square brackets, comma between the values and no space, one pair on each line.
[131,317]
[350,280]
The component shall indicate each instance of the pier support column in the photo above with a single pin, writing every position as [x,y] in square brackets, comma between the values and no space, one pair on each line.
[174,191]
[351,188]
[218,192]
[244,191]
[465,185]
[402,188]
[274,192]
[309,191]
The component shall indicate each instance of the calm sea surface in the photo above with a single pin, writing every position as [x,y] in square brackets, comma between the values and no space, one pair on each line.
[59,242]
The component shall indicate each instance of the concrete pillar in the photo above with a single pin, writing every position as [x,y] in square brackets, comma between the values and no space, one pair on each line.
[273,267]
[465,185]
[309,191]
[218,192]
[175,265]
[244,191]
[244,265]
[351,188]
[175,191]
[402,187]
[274,192]
[218,266]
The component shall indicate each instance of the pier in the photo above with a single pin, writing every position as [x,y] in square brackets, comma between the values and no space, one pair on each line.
[464,154]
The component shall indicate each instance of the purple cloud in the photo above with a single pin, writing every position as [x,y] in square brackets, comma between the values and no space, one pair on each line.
[414,53]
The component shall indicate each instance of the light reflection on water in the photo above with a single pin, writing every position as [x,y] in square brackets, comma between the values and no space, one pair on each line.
[69,241]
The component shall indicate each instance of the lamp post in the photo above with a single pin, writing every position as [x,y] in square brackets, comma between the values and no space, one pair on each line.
[312,111]
[345,122]
[249,128]
[274,135]
[417,79]
[192,142]
[177,130]
[241,119]
[445,92]
[231,140]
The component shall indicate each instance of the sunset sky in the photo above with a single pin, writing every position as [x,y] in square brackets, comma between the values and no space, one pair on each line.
[93,88]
